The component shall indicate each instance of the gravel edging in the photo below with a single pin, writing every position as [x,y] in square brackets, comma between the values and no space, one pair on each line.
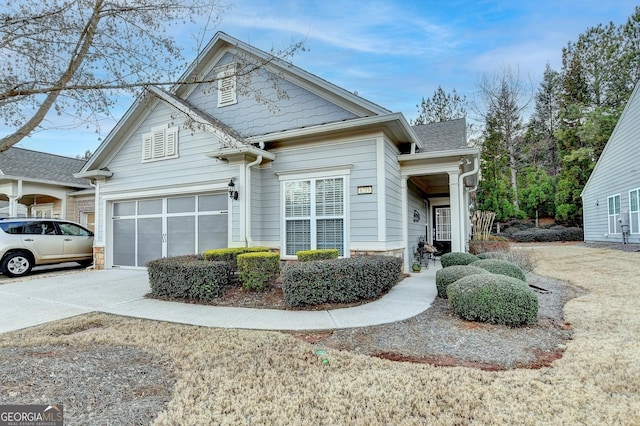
[437,336]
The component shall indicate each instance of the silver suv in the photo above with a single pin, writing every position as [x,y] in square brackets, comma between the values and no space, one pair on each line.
[27,242]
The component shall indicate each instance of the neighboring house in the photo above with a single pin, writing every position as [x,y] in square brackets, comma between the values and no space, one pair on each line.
[38,184]
[215,165]
[611,196]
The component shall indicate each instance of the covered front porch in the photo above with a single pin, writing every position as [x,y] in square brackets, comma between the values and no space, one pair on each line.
[436,191]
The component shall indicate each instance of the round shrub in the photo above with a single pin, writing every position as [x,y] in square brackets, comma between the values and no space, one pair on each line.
[455,258]
[501,267]
[447,276]
[490,255]
[492,298]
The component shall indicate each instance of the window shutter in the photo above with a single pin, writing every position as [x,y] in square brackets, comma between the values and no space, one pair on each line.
[172,142]
[147,142]
[158,144]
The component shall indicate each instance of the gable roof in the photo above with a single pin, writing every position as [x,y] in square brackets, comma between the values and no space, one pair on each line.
[20,163]
[220,44]
[443,135]
[635,97]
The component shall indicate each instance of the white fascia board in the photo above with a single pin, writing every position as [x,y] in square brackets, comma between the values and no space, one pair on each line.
[46,182]
[440,154]
[242,149]
[91,174]
[394,122]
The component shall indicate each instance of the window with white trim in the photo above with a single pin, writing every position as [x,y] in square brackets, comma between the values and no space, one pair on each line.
[160,144]
[613,203]
[227,90]
[314,215]
[634,211]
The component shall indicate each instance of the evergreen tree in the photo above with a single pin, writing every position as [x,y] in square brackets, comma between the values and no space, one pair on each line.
[441,106]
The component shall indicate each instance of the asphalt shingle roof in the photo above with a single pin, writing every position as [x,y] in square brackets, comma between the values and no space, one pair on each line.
[442,136]
[25,163]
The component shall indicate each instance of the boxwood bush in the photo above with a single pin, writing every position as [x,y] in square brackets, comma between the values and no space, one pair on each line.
[523,236]
[230,254]
[502,267]
[257,271]
[447,276]
[339,280]
[493,298]
[188,277]
[456,258]
[572,234]
[324,254]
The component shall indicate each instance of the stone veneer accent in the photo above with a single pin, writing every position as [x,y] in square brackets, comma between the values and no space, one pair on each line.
[98,257]
[395,253]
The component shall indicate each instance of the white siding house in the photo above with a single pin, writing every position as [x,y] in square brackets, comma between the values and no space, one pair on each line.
[611,196]
[317,168]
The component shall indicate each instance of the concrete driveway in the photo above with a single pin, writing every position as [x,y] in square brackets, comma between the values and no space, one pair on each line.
[42,298]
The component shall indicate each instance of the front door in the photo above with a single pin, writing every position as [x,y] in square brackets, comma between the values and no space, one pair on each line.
[442,228]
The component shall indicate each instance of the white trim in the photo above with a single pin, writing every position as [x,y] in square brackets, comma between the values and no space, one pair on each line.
[636,212]
[318,172]
[218,185]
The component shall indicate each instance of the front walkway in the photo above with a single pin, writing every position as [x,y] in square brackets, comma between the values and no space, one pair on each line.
[121,292]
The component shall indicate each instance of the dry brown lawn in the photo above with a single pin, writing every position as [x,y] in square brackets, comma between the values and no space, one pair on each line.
[251,377]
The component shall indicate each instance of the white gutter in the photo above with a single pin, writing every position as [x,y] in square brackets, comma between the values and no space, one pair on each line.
[463,217]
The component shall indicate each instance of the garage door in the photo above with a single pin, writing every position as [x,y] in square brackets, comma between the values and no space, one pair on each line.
[149,229]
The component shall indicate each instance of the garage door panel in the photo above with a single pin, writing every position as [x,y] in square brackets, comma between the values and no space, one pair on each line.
[149,239]
[124,242]
[149,229]
[181,235]
[212,232]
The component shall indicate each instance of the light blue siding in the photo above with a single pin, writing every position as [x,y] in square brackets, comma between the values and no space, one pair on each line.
[617,172]
[359,154]
[393,193]
[298,108]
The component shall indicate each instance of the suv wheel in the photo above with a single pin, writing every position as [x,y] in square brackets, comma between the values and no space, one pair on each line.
[16,264]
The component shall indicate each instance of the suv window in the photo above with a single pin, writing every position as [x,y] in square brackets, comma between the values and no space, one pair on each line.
[73,229]
[39,228]
[11,227]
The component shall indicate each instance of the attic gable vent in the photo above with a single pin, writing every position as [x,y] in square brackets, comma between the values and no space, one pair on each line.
[227,93]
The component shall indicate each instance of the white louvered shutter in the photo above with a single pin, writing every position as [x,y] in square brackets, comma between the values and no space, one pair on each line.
[172,142]
[158,144]
[147,142]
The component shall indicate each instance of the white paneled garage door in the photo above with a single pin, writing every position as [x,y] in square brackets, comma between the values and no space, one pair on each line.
[149,229]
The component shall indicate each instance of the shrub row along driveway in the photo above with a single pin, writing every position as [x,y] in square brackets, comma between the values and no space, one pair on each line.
[255,377]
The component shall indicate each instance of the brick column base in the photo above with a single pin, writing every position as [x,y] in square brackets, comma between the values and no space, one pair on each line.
[98,257]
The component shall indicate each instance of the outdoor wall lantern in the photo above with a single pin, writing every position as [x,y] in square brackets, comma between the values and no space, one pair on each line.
[233,194]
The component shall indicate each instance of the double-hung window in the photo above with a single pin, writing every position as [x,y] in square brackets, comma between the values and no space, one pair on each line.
[314,215]
[159,144]
[634,211]
[613,203]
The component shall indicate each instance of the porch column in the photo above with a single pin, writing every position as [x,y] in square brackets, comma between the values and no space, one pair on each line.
[404,197]
[456,207]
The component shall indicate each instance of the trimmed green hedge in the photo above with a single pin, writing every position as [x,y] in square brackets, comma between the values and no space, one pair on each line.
[447,276]
[493,298]
[456,258]
[188,277]
[257,271]
[230,254]
[502,267]
[339,280]
[324,254]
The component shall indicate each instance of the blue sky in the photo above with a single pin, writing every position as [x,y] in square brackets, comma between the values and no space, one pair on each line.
[393,52]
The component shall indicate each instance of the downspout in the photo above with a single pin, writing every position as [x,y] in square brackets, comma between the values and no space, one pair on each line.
[247,204]
[463,217]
